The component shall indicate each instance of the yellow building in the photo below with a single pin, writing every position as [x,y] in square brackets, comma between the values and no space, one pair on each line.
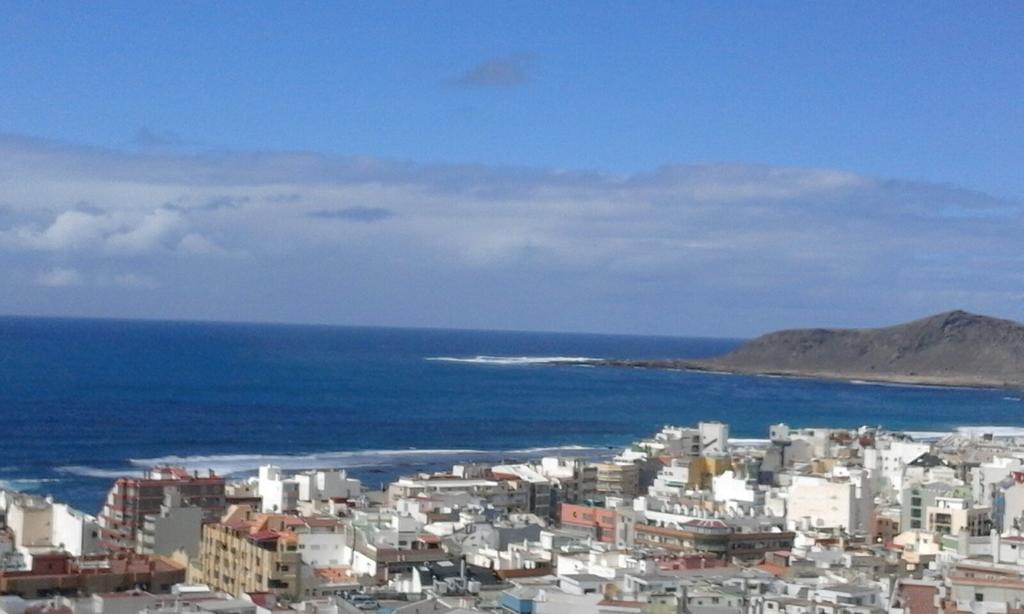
[248,552]
[703,468]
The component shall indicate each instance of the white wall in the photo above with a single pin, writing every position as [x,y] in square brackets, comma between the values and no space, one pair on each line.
[32,526]
[78,532]
[322,549]
[714,437]
[893,460]
[276,493]
[827,504]
[728,487]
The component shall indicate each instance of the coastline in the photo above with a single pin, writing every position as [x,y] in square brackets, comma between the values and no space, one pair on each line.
[893,379]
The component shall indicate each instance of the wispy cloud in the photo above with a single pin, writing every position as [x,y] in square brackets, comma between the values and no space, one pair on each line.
[59,278]
[293,236]
[62,277]
[127,280]
[196,244]
[504,71]
[353,214]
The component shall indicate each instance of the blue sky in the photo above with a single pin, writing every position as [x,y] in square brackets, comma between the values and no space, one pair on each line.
[540,124]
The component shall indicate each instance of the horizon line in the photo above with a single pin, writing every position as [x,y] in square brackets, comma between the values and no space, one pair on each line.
[278,323]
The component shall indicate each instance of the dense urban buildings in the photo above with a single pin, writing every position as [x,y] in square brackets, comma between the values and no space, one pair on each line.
[805,521]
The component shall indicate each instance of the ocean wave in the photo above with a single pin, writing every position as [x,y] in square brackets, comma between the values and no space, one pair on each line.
[572,448]
[229,464]
[863,382]
[928,435]
[999,432]
[95,472]
[26,484]
[995,431]
[749,441]
[513,360]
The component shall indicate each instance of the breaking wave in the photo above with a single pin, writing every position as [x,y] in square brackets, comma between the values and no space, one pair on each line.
[863,382]
[749,442]
[232,464]
[26,484]
[95,472]
[1000,432]
[514,360]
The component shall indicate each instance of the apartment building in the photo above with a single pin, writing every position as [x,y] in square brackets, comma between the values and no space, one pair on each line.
[712,536]
[130,500]
[596,523]
[251,552]
[176,527]
[617,480]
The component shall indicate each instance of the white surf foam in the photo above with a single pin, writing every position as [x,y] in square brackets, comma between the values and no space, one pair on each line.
[751,442]
[995,431]
[228,464]
[26,484]
[513,360]
[999,432]
[928,435]
[551,449]
[94,472]
[862,382]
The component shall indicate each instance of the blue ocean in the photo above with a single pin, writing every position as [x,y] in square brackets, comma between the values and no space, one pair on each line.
[85,401]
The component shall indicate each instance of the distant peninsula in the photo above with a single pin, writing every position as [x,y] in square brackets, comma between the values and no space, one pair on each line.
[954,348]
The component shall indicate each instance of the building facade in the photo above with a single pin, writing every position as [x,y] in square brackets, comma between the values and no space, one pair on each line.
[130,500]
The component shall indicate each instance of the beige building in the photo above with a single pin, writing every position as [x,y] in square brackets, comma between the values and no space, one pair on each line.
[249,551]
[618,480]
[951,515]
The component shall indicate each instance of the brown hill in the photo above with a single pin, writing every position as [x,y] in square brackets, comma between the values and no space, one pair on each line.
[953,348]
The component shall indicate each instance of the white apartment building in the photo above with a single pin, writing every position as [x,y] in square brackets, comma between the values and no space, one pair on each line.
[826,502]
[887,460]
[279,493]
[39,524]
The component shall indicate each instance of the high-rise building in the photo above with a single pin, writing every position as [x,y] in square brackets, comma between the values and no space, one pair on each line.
[130,500]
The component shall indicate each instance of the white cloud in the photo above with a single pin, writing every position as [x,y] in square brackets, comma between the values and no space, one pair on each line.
[127,280]
[754,237]
[69,230]
[117,232]
[148,234]
[197,244]
[59,278]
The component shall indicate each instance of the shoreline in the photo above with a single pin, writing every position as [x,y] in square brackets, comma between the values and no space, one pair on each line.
[910,381]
